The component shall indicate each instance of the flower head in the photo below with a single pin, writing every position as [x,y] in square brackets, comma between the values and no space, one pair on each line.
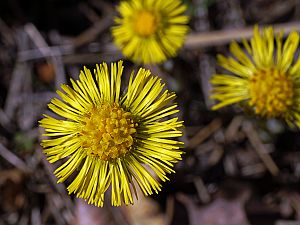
[150,31]
[106,138]
[264,77]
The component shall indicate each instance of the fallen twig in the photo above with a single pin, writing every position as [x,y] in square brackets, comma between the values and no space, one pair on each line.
[91,33]
[260,148]
[205,133]
[213,38]
[13,159]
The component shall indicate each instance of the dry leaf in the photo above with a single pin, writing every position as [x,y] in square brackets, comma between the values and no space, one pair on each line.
[219,212]
[86,214]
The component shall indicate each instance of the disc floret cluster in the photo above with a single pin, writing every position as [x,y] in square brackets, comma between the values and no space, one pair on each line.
[263,77]
[110,140]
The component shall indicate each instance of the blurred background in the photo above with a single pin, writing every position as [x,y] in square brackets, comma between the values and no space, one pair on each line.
[237,170]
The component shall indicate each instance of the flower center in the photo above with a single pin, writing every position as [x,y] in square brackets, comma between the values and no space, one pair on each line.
[108,131]
[271,92]
[145,23]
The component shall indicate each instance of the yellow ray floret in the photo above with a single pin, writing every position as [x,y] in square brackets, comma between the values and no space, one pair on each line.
[150,31]
[264,77]
[108,137]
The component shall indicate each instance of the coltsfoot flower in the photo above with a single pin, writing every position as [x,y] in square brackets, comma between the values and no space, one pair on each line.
[106,138]
[150,31]
[264,77]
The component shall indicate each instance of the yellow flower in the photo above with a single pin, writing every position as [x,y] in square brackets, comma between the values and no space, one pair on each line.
[150,31]
[264,77]
[107,137]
